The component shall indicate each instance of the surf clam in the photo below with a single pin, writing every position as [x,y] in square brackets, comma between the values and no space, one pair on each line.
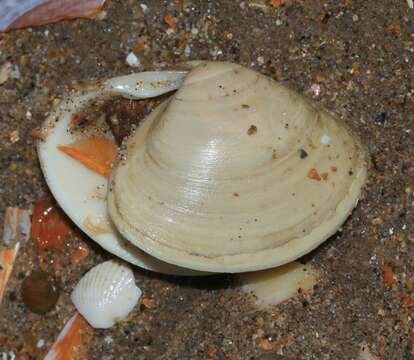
[234,173]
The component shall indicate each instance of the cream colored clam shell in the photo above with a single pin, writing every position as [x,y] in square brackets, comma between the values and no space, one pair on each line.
[235,173]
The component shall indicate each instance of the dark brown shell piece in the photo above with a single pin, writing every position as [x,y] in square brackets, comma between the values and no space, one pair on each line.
[39,292]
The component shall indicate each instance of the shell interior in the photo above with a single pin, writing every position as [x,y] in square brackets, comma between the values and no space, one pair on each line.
[80,192]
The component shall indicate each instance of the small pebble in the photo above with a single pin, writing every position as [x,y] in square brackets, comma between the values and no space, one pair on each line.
[380,119]
[326,140]
[216,52]
[315,89]
[39,292]
[410,4]
[15,73]
[144,7]
[132,60]
[194,31]
[102,15]
[365,353]
[355,18]
[187,50]
[260,60]
[5,72]
[108,339]
[14,136]
[40,344]
[376,221]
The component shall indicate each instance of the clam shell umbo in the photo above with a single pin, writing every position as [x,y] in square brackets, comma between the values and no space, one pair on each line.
[106,294]
[235,172]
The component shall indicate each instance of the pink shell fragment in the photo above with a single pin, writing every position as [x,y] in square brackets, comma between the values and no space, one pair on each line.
[10,10]
[45,12]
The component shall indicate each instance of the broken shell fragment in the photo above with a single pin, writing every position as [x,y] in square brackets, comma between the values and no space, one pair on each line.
[16,230]
[24,13]
[17,225]
[70,344]
[198,188]
[7,259]
[106,294]
[273,286]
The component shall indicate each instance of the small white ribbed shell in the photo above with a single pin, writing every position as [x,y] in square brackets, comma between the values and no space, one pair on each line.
[10,10]
[106,294]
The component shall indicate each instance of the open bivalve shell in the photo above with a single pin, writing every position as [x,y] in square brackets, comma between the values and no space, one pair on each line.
[235,172]
[80,192]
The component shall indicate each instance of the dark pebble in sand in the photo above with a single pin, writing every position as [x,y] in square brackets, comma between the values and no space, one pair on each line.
[39,292]
[380,119]
[303,154]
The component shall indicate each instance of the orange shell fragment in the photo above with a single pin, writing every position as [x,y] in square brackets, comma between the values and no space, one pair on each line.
[277,3]
[7,258]
[70,343]
[96,153]
[390,279]
[49,226]
[169,21]
[406,300]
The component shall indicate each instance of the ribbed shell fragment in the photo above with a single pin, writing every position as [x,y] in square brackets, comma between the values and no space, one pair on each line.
[106,294]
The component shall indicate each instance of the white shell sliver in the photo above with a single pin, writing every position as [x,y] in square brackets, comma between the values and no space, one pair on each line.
[106,294]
